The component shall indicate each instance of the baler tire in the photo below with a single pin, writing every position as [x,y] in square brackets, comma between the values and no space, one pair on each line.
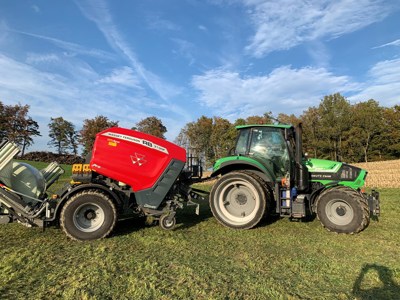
[167,224]
[88,215]
[238,200]
[343,210]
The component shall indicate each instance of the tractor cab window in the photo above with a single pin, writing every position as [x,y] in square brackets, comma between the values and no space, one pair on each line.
[241,144]
[268,146]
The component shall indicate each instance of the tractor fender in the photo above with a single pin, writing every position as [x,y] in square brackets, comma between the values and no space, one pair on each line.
[238,165]
[85,186]
[316,193]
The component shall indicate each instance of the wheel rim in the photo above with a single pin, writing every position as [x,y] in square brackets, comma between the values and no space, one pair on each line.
[339,212]
[167,223]
[237,202]
[89,217]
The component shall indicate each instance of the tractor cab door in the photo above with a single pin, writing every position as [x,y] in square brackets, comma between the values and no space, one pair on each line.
[268,146]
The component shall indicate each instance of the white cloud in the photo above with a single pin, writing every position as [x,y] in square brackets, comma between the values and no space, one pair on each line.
[284,90]
[281,25]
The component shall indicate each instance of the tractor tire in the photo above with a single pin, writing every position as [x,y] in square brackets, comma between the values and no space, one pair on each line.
[88,215]
[239,200]
[343,210]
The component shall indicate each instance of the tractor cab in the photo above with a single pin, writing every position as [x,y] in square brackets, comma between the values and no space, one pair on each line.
[268,146]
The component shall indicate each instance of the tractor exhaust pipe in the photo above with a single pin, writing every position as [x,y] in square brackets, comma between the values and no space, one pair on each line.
[302,174]
[299,143]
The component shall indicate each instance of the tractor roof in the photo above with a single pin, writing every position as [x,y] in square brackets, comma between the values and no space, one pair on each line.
[282,126]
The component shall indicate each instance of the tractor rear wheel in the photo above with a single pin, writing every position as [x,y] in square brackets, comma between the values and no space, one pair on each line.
[88,215]
[238,200]
[343,210]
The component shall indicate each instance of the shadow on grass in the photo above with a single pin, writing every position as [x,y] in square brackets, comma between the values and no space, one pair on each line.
[186,218]
[128,226]
[388,288]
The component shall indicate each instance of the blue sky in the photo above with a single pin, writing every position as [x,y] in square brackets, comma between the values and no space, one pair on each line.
[180,59]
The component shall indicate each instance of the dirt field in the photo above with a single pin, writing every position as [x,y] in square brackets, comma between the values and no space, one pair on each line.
[382,174]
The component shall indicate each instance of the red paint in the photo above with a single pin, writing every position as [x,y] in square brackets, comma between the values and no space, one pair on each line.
[132,157]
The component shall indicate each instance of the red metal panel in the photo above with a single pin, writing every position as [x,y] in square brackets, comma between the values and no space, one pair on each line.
[132,157]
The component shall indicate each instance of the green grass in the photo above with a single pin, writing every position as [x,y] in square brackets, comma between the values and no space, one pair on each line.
[201,259]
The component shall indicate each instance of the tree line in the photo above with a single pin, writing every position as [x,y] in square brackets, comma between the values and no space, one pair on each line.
[335,129]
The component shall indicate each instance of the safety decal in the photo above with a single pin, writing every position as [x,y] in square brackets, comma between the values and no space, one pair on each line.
[138,159]
[136,140]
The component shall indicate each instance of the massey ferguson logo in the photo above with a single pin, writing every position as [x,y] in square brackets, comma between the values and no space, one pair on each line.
[138,159]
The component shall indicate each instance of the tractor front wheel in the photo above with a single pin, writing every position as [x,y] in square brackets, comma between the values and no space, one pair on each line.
[343,210]
[88,215]
[238,200]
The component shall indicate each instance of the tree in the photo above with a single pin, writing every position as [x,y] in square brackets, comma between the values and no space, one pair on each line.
[367,124]
[63,135]
[222,137]
[388,142]
[31,129]
[311,131]
[335,115]
[90,128]
[288,119]
[153,126]
[17,126]
[264,119]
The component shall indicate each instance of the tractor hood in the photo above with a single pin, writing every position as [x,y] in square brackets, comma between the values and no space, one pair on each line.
[328,171]
[322,165]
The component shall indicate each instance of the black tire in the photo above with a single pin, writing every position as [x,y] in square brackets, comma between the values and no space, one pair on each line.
[88,215]
[239,200]
[167,224]
[343,210]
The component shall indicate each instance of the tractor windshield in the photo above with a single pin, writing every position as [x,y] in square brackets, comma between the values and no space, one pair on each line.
[269,147]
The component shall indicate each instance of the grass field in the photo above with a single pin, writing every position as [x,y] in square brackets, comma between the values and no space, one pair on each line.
[201,259]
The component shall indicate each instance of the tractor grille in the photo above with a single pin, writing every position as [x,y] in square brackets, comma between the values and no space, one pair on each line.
[349,173]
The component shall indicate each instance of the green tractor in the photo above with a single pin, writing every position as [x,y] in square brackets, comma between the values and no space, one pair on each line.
[267,173]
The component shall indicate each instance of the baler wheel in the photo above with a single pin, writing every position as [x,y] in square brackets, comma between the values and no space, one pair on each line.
[167,223]
[343,210]
[88,215]
[239,200]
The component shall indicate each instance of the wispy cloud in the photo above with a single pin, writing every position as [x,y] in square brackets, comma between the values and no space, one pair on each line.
[35,8]
[72,48]
[35,58]
[202,28]
[98,12]
[78,95]
[156,22]
[185,49]
[394,43]
[382,85]
[123,76]
[281,25]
